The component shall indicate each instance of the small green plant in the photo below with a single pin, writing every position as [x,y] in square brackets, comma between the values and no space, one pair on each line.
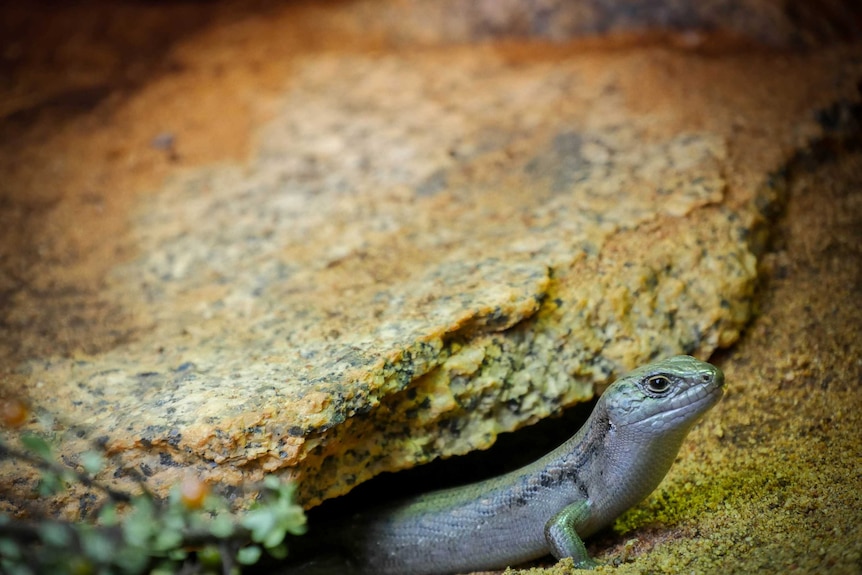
[192,531]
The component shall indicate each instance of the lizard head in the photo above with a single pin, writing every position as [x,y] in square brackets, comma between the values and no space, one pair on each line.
[665,397]
[640,423]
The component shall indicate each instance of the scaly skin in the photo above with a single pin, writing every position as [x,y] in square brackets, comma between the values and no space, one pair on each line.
[617,458]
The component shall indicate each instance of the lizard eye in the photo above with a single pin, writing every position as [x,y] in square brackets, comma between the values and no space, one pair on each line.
[658,384]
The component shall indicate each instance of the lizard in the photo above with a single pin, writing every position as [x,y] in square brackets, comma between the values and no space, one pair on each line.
[618,457]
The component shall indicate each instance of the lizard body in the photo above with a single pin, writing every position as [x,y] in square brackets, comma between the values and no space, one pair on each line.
[616,459]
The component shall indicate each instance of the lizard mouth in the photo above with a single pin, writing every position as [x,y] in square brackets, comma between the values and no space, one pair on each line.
[691,404]
[687,406]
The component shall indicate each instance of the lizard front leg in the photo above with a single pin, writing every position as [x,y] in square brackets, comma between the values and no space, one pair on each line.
[563,540]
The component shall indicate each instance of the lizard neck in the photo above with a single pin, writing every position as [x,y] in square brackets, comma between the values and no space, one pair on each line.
[621,465]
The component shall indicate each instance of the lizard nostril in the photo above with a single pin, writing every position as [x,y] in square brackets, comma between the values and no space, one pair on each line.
[706,377]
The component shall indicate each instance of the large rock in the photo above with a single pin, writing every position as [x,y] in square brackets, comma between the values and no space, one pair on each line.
[427,249]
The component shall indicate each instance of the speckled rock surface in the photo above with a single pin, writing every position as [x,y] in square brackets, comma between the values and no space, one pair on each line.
[416,251]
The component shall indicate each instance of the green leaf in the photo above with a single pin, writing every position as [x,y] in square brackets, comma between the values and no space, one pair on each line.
[196,521]
[55,534]
[131,560]
[278,552]
[10,549]
[77,565]
[108,515]
[215,504]
[274,538]
[50,484]
[164,568]
[174,518]
[290,517]
[287,515]
[268,525]
[272,482]
[167,539]
[210,557]
[248,555]
[175,496]
[260,522]
[10,568]
[92,461]
[222,526]
[137,531]
[96,545]
[37,445]
[294,520]
[139,526]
